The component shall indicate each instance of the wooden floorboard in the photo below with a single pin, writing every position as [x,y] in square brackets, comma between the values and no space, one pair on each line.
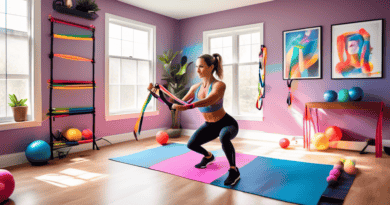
[118,183]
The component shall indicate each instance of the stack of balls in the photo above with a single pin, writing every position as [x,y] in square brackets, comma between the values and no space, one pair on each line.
[344,95]
[346,165]
[334,174]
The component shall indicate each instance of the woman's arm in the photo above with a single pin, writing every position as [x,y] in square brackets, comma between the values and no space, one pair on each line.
[217,92]
[191,93]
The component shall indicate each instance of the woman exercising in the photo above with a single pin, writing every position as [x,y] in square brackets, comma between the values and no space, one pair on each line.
[208,98]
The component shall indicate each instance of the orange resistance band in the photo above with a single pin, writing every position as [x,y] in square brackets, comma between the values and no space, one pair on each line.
[70,57]
[71,37]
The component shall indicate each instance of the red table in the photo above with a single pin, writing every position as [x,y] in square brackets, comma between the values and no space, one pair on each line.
[375,106]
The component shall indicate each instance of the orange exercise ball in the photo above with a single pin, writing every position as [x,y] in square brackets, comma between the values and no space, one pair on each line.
[321,142]
[333,133]
[162,137]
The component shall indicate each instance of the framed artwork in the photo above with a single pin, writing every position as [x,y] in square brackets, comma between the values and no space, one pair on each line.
[357,50]
[302,53]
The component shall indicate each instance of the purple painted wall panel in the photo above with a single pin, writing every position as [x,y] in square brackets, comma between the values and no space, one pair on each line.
[281,15]
[166,29]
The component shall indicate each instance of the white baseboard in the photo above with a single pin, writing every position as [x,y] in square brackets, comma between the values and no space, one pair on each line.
[20,158]
[274,137]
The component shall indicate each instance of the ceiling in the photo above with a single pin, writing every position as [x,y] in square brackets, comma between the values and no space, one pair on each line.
[181,9]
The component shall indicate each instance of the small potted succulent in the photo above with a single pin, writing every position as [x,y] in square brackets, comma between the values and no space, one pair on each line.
[19,108]
[87,6]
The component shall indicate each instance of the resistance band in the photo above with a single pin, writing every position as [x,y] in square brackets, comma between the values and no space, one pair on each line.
[69,37]
[289,81]
[55,20]
[261,85]
[159,95]
[70,57]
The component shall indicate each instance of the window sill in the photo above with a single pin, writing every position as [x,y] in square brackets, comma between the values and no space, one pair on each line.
[18,125]
[248,117]
[129,116]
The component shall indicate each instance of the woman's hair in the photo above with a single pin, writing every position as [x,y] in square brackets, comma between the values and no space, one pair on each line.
[215,60]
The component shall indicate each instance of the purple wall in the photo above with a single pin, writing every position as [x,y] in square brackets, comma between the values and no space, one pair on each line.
[166,29]
[281,15]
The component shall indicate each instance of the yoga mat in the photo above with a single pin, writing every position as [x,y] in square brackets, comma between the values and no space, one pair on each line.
[153,156]
[285,180]
[183,166]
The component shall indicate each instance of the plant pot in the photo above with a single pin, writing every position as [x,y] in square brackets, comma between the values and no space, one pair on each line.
[173,133]
[20,113]
[175,119]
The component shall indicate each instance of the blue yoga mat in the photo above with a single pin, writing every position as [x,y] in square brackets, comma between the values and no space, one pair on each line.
[291,181]
[150,157]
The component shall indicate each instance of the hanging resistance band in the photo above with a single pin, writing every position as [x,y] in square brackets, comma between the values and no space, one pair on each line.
[73,37]
[289,81]
[70,57]
[159,95]
[261,85]
[55,20]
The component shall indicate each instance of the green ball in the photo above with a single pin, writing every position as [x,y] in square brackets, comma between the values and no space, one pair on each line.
[343,95]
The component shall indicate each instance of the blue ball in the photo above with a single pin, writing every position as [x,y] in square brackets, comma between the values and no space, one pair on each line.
[330,95]
[356,94]
[343,95]
[38,152]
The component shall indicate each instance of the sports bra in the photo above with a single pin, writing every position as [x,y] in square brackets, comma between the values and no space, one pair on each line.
[211,108]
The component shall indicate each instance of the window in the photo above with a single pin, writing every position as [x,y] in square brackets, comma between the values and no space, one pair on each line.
[20,58]
[130,67]
[239,48]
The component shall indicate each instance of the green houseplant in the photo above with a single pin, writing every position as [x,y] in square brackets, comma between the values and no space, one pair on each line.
[175,75]
[19,108]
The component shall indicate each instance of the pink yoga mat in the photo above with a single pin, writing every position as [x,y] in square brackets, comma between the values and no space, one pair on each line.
[183,165]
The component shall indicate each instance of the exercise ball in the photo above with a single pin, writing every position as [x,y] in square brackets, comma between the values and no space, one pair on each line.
[356,94]
[73,134]
[7,184]
[284,143]
[330,95]
[333,133]
[38,152]
[343,95]
[162,137]
[321,142]
[87,134]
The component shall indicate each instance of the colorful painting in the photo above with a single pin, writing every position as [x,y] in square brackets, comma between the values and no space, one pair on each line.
[357,50]
[302,53]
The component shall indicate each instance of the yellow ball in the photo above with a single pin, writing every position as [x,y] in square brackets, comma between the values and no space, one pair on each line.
[73,134]
[321,142]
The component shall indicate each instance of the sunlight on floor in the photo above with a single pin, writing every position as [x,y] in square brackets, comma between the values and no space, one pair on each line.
[71,177]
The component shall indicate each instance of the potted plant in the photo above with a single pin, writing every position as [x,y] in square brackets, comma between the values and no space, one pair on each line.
[175,75]
[87,6]
[19,108]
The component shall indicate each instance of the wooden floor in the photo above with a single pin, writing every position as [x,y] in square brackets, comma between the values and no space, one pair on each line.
[89,177]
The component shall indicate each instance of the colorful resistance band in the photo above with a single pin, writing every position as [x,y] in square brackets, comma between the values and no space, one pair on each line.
[261,84]
[161,90]
[69,88]
[71,57]
[138,124]
[289,81]
[69,37]
[55,20]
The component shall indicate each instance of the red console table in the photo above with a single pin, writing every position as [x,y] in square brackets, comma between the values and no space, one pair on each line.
[374,106]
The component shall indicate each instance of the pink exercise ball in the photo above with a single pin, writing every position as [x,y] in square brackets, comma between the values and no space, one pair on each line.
[7,184]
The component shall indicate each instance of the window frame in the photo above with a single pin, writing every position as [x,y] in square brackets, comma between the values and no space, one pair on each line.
[34,31]
[235,32]
[135,25]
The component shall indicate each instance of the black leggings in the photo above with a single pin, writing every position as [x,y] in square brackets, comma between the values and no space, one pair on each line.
[226,128]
